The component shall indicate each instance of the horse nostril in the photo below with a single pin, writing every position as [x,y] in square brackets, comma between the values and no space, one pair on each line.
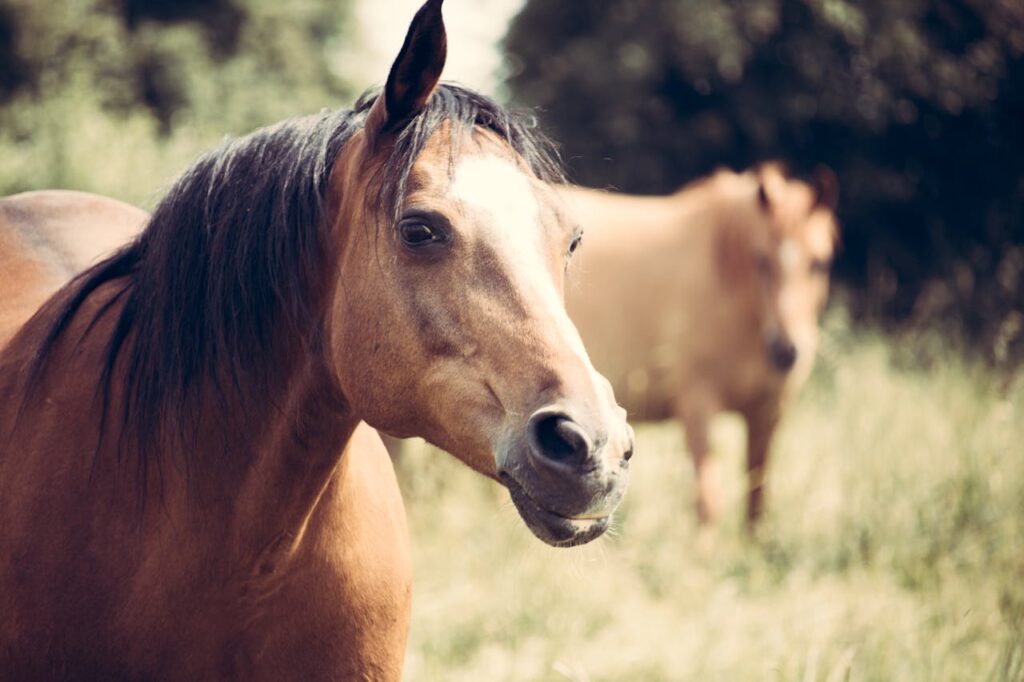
[783,354]
[628,454]
[558,438]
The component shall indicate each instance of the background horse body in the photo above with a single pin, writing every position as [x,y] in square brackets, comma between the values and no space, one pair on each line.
[187,490]
[48,237]
[706,300]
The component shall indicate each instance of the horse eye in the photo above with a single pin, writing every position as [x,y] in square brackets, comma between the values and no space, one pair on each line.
[820,266]
[763,263]
[416,233]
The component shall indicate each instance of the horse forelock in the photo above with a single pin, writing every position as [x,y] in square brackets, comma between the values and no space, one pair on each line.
[460,111]
[227,272]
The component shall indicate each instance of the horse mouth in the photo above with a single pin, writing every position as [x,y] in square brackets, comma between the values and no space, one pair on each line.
[553,528]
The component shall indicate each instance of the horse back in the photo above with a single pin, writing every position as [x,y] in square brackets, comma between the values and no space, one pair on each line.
[650,299]
[47,237]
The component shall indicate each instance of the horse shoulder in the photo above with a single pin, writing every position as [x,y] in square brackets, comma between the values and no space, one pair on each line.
[352,577]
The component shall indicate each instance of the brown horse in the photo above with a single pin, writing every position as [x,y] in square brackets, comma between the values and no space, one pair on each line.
[48,237]
[706,300]
[187,490]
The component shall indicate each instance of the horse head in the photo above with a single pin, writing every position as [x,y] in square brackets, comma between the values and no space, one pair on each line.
[447,316]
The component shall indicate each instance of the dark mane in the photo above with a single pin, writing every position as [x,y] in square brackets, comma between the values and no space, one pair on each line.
[230,269]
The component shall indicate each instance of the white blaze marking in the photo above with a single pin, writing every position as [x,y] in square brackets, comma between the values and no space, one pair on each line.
[789,255]
[789,260]
[498,188]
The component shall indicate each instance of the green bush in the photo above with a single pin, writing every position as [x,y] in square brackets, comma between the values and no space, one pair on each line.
[117,98]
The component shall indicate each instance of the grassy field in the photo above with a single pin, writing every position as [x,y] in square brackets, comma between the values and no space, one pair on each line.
[893,548]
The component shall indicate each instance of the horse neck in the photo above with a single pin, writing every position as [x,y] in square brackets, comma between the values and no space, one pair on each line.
[307,426]
[257,457]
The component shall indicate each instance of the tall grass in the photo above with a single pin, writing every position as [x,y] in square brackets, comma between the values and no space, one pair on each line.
[893,547]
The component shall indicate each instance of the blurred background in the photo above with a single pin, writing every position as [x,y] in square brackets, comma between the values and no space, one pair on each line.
[894,547]
[917,105]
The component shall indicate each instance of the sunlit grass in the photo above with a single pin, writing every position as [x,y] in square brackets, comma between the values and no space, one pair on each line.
[893,548]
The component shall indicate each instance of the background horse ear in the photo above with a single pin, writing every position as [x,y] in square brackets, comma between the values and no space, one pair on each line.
[762,195]
[415,73]
[826,187]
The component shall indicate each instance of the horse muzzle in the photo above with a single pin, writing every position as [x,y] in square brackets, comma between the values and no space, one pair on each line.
[782,352]
[566,476]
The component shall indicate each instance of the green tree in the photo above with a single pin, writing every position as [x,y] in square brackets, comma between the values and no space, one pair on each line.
[117,96]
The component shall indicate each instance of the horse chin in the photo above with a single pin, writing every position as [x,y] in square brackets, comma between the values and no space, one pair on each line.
[550,526]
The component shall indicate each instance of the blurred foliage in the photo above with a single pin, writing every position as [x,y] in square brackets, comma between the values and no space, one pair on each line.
[116,96]
[917,104]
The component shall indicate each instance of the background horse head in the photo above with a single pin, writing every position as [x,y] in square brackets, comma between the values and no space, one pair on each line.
[401,263]
[782,261]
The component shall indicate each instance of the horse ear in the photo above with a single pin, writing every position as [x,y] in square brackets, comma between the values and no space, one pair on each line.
[415,73]
[762,173]
[826,187]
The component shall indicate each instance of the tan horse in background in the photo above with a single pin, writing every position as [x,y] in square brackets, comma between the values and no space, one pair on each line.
[48,237]
[706,300]
[188,489]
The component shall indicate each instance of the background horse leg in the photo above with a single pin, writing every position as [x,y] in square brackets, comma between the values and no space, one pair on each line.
[761,423]
[695,415]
